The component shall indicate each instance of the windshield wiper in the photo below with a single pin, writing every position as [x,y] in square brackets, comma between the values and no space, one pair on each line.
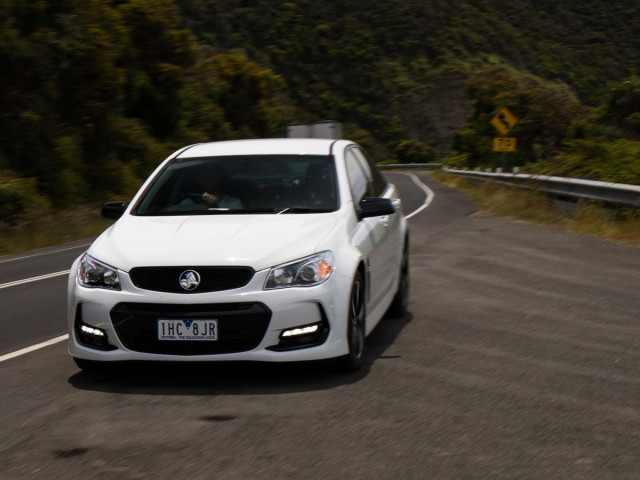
[303,210]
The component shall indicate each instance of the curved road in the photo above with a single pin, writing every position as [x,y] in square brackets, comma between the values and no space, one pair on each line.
[519,359]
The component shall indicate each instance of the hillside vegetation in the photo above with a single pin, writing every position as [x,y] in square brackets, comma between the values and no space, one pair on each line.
[95,93]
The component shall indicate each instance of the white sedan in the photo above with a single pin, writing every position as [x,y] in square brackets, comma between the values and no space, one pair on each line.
[264,250]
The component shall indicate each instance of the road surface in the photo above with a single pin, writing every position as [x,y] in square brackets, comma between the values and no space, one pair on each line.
[519,359]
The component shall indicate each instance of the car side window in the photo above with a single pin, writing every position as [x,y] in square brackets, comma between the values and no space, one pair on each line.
[379,182]
[358,179]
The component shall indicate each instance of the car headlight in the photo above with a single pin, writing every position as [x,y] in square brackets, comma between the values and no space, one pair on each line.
[95,274]
[306,272]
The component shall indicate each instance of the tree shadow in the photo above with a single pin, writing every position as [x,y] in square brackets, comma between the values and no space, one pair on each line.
[238,378]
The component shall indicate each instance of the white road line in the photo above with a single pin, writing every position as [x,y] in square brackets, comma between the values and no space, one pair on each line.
[24,351]
[44,253]
[33,279]
[425,189]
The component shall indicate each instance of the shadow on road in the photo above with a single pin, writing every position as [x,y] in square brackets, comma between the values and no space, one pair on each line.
[237,378]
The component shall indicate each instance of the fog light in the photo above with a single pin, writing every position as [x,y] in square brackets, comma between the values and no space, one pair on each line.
[303,336]
[92,331]
[92,337]
[294,332]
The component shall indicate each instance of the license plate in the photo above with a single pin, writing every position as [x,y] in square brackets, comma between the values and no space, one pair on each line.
[191,330]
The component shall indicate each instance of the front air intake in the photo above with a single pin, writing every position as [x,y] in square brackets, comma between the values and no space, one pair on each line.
[212,279]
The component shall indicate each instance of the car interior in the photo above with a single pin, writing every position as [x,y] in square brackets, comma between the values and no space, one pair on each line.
[256,185]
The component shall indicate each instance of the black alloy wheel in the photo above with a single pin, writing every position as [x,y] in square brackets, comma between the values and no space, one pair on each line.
[352,361]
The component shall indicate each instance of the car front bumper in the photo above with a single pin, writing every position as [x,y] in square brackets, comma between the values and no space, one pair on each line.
[260,315]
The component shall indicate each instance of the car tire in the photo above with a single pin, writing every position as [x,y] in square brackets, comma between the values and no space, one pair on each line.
[400,302]
[356,322]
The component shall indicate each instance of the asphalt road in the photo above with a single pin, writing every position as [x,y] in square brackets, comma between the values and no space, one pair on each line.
[34,312]
[519,359]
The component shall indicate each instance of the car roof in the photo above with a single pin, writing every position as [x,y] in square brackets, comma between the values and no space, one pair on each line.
[272,146]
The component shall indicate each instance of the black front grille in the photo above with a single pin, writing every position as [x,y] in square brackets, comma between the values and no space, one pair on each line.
[212,279]
[241,327]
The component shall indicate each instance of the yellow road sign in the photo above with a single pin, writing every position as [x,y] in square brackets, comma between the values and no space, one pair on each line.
[503,121]
[504,144]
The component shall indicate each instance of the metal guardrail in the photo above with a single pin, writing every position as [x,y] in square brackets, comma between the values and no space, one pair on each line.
[413,166]
[613,193]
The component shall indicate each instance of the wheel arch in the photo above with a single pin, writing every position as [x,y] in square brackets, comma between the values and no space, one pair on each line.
[364,272]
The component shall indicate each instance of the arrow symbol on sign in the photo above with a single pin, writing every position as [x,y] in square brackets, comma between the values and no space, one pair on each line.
[503,120]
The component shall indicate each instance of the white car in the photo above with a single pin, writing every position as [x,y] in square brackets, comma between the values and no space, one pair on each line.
[274,250]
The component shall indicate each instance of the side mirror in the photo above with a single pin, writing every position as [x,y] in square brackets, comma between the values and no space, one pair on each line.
[375,207]
[113,209]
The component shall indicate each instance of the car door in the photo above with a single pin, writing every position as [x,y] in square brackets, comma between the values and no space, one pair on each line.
[376,228]
[390,246]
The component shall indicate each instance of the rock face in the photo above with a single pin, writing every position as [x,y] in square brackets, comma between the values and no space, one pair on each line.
[446,110]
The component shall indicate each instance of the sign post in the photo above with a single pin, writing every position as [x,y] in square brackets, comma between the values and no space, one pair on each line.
[503,122]
[504,144]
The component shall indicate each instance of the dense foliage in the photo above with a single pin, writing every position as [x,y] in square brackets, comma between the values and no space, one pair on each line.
[95,93]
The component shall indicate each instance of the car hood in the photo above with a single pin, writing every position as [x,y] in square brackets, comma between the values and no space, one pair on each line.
[258,241]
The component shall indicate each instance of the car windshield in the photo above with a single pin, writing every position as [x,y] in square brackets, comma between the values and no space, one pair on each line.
[270,184]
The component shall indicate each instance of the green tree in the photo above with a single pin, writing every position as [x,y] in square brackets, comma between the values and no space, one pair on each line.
[20,201]
[158,52]
[248,95]
[545,113]
[414,151]
[621,107]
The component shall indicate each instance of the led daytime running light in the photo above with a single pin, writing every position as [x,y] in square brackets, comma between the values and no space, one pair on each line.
[92,331]
[294,332]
